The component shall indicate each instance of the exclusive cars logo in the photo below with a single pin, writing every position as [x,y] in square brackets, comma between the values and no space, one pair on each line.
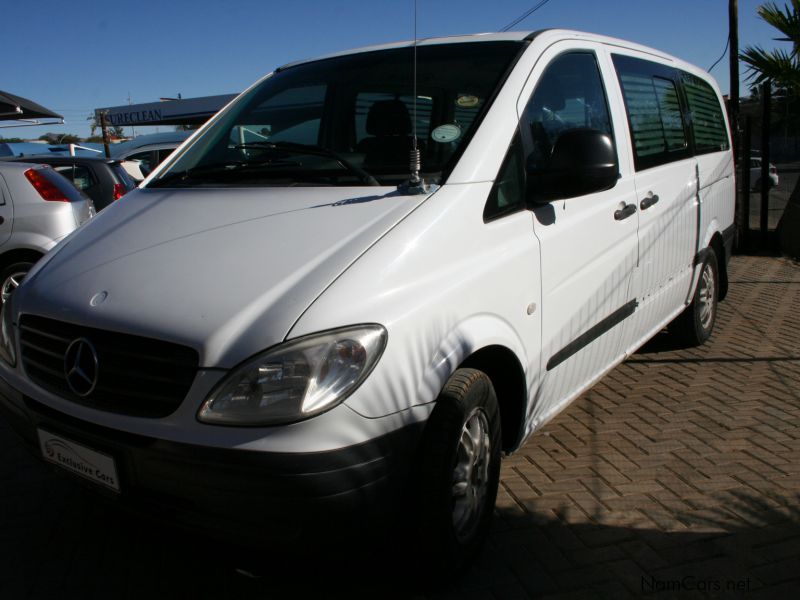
[80,367]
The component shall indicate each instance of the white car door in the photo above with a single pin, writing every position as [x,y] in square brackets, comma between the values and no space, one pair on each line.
[589,245]
[666,190]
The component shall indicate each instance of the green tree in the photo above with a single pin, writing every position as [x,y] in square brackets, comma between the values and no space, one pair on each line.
[781,67]
[60,138]
[113,130]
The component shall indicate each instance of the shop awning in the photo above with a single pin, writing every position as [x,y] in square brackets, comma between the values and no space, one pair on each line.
[17,108]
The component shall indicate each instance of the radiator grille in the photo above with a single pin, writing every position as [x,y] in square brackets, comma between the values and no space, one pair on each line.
[135,375]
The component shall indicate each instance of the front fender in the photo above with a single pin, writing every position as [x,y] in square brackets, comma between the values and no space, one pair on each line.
[417,363]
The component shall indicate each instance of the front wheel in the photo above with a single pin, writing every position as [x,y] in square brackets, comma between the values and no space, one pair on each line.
[459,471]
[695,324]
[11,277]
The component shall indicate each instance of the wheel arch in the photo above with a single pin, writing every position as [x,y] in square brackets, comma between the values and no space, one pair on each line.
[19,255]
[505,371]
[713,239]
[718,245]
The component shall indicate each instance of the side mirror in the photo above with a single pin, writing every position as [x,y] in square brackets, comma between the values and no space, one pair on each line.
[583,161]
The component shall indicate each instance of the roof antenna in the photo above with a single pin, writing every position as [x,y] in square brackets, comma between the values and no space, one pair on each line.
[415,185]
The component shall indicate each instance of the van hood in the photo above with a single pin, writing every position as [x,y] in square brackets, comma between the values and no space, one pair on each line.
[225,271]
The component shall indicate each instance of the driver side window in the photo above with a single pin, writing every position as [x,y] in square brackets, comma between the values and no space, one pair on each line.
[569,95]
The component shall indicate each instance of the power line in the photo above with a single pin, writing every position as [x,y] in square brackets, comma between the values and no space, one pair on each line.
[525,16]
[721,55]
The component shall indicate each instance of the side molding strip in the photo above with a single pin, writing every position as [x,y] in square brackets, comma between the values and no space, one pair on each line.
[583,340]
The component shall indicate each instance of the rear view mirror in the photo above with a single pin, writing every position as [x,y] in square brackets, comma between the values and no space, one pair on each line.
[583,161]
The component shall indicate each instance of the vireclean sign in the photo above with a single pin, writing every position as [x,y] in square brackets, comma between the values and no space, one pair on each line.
[134,117]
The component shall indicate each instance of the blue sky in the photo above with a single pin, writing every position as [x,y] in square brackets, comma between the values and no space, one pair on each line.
[75,56]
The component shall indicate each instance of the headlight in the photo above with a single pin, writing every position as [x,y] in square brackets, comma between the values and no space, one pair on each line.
[296,380]
[7,348]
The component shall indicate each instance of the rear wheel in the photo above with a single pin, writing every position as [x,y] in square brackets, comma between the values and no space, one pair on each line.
[11,277]
[695,324]
[459,471]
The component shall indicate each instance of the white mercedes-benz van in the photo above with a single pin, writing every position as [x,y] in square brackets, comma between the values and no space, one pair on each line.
[345,296]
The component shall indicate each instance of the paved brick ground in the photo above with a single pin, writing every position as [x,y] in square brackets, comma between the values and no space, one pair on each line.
[678,475]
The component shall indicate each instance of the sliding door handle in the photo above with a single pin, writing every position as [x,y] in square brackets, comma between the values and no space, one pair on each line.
[625,212]
[649,201]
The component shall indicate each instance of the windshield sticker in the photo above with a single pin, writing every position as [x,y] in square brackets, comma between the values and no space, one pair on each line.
[446,133]
[468,101]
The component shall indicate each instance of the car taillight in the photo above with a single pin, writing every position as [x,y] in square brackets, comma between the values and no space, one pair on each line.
[119,191]
[46,188]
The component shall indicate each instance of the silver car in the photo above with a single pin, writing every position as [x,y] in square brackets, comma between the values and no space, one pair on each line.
[38,207]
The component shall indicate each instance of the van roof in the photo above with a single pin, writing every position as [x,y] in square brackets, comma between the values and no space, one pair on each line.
[544,35]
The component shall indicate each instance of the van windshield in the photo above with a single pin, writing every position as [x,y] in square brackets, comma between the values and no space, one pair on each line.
[350,120]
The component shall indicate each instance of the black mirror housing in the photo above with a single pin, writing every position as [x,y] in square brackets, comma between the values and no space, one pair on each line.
[583,161]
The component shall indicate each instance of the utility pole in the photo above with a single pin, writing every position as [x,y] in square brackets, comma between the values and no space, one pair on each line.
[104,129]
[133,129]
[733,32]
[766,182]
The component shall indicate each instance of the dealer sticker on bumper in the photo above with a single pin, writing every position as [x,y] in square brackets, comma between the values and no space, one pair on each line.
[83,461]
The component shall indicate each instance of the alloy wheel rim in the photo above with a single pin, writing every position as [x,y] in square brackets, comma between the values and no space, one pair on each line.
[471,474]
[10,284]
[706,297]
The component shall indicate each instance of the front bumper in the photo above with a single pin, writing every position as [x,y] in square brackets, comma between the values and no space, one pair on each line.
[242,495]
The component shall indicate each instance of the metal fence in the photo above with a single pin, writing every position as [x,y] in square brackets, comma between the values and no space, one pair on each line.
[768,164]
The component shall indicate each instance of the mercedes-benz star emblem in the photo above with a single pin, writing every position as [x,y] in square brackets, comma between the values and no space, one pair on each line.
[80,367]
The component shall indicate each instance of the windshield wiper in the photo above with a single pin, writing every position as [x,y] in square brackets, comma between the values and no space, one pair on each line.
[312,150]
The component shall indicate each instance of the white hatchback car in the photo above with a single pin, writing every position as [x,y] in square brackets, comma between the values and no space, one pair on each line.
[755,174]
[38,207]
[350,292]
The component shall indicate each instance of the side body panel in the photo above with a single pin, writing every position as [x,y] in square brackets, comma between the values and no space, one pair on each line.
[6,212]
[587,261]
[444,284]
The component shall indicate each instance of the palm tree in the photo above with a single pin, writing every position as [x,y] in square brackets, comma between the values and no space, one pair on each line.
[782,68]
[779,65]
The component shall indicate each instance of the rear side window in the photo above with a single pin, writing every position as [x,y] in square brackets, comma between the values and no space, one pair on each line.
[145,160]
[63,185]
[81,177]
[654,111]
[122,175]
[708,123]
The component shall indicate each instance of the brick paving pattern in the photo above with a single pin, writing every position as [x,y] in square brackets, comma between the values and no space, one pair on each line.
[678,475]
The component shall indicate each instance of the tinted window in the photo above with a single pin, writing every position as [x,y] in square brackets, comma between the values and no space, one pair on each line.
[654,111]
[508,192]
[145,160]
[80,176]
[63,184]
[359,106]
[708,123]
[366,101]
[569,95]
[163,154]
[292,115]
[122,175]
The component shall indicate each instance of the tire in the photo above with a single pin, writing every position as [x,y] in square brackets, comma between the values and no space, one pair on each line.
[695,324]
[456,489]
[11,276]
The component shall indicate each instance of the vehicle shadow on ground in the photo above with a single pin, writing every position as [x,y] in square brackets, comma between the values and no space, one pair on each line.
[70,544]
[746,548]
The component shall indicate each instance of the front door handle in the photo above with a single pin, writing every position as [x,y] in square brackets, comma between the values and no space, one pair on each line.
[649,201]
[625,212]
